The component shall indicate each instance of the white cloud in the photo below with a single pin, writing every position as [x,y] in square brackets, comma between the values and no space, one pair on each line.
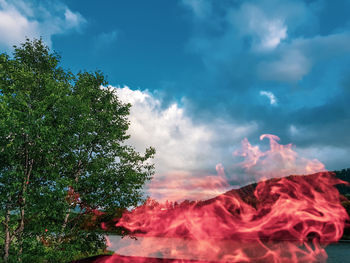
[275,32]
[14,26]
[269,28]
[296,59]
[181,144]
[270,96]
[291,67]
[267,31]
[73,20]
[20,19]
[187,153]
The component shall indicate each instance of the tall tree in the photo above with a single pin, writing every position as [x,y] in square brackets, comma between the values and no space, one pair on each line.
[63,155]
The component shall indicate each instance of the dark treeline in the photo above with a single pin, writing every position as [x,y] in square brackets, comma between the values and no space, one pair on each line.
[344,175]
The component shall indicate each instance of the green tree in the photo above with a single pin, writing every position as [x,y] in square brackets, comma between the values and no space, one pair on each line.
[63,155]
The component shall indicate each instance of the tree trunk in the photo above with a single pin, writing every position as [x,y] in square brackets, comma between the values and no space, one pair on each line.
[20,233]
[22,202]
[64,225]
[7,232]
[70,198]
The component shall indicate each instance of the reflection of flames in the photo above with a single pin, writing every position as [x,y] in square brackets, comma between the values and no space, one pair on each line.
[288,219]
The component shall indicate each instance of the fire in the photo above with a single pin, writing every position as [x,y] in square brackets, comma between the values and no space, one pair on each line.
[280,160]
[182,185]
[289,219]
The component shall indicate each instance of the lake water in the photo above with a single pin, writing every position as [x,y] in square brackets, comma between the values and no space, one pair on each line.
[161,247]
[339,253]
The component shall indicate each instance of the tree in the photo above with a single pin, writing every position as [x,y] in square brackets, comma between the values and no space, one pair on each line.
[63,155]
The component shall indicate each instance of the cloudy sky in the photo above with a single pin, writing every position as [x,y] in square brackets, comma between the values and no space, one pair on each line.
[205,74]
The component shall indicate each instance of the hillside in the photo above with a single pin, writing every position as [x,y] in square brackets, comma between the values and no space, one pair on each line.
[154,219]
[246,194]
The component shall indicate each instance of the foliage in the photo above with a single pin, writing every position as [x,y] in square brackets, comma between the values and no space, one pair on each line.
[63,155]
[344,175]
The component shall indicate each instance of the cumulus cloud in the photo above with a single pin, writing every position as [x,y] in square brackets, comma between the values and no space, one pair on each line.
[181,144]
[323,47]
[295,59]
[20,19]
[275,32]
[270,96]
[194,159]
[267,31]
[72,20]
[187,153]
[291,67]
[265,40]
[14,26]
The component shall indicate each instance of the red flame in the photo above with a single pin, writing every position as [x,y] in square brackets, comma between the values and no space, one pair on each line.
[280,160]
[289,219]
[182,185]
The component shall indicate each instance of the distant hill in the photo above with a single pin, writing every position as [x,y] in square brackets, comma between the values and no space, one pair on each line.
[345,176]
[246,194]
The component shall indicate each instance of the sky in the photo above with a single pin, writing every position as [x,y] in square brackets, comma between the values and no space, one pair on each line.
[203,75]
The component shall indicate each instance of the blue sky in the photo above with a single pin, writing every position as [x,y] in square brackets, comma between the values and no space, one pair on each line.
[209,73]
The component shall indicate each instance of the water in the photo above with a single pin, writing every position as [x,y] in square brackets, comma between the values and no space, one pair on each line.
[337,253]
